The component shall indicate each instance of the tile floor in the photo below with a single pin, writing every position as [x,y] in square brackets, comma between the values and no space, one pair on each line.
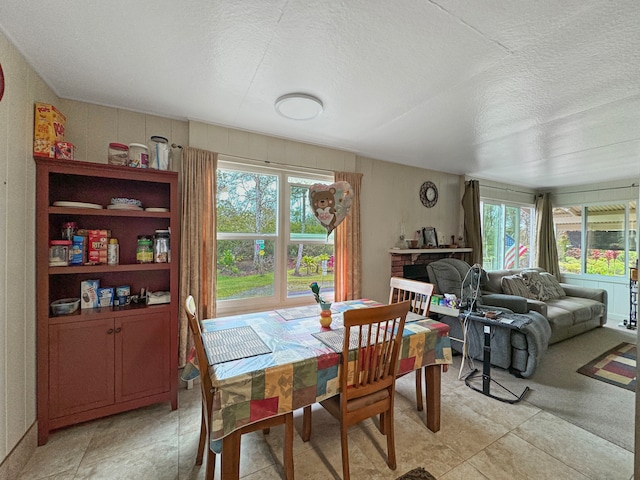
[480,438]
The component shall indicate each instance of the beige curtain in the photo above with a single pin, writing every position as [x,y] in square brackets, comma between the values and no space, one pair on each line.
[472,225]
[348,245]
[546,249]
[198,238]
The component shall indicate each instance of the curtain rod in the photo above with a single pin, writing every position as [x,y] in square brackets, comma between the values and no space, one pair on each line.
[507,189]
[269,162]
[633,185]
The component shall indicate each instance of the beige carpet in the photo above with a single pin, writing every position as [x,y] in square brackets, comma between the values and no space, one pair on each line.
[605,410]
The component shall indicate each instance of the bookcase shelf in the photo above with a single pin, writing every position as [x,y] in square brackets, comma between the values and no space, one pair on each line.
[100,361]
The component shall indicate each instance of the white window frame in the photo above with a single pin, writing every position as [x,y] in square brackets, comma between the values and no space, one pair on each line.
[584,232]
[281,237]
[532,233]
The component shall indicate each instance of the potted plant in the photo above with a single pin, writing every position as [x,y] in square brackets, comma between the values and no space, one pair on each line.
[325,307]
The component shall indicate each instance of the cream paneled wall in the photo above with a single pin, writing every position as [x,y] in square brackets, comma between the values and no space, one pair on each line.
[17,250]
[389,192]
[92,127]
[255,146]
[390,199]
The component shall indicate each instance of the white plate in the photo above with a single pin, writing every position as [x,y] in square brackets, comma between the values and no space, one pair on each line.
[156,209]
[123,206]
[77,205]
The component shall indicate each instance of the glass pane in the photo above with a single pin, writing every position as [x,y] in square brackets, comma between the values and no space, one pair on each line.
[302,223]
[525,256]
[511,234]
[246,202]
[491,238]
[310,263]
[633,237]
[605,240]
[568,225]
[245,269]
[517,238]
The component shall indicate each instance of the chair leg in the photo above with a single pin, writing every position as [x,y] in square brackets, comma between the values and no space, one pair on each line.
[306,423]
[211,465]
[288,446]
[419,402]
[266,431]
[203,438]
[345,450]
[391,442]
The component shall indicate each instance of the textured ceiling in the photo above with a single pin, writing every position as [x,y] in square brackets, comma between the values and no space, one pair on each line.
[537,93]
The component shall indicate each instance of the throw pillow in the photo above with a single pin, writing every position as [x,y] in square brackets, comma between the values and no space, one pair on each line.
[514,285]
[534,282]
[552,285]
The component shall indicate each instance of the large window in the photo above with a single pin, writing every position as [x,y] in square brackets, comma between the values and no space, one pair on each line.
[507,235]
[596,239]
[270,246]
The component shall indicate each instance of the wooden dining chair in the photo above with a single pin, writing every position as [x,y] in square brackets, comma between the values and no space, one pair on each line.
[215,446]
[369,361]
[419,294]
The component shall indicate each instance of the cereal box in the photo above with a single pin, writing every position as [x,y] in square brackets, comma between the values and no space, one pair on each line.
[48,129]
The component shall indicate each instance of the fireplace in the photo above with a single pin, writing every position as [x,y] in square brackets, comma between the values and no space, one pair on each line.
[416,272]
[412,264]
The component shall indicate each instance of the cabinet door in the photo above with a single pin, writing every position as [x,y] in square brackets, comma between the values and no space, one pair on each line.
[142,355]
[81,366]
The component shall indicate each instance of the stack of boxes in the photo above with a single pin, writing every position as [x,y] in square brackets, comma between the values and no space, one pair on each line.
[48,133]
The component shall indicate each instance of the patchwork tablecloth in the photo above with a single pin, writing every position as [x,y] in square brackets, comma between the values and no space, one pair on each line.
[300,370]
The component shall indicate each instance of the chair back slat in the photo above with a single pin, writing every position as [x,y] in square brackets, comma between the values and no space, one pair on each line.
[372,364]
[201,354]
[418,293]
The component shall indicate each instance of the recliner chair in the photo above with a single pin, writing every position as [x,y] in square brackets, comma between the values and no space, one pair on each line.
[519,351]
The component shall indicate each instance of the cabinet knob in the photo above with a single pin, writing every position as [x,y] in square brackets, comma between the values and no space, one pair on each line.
[110,331]
[118,330]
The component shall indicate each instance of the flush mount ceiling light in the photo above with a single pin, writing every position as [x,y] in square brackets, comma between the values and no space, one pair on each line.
[299,106]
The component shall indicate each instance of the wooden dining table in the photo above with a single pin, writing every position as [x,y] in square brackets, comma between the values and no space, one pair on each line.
[268,363]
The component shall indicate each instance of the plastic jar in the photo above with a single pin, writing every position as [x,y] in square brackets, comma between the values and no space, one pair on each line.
[59,253]
[159,153]
[113,252]
[69,229]
[138,155]
[118,154]
[161,248]
[144,252]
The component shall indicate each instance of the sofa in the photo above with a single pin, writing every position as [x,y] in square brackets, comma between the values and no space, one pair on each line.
[569,309]
[556,311]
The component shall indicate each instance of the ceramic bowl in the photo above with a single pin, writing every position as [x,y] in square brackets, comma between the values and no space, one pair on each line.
[126,201]
[65,306]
